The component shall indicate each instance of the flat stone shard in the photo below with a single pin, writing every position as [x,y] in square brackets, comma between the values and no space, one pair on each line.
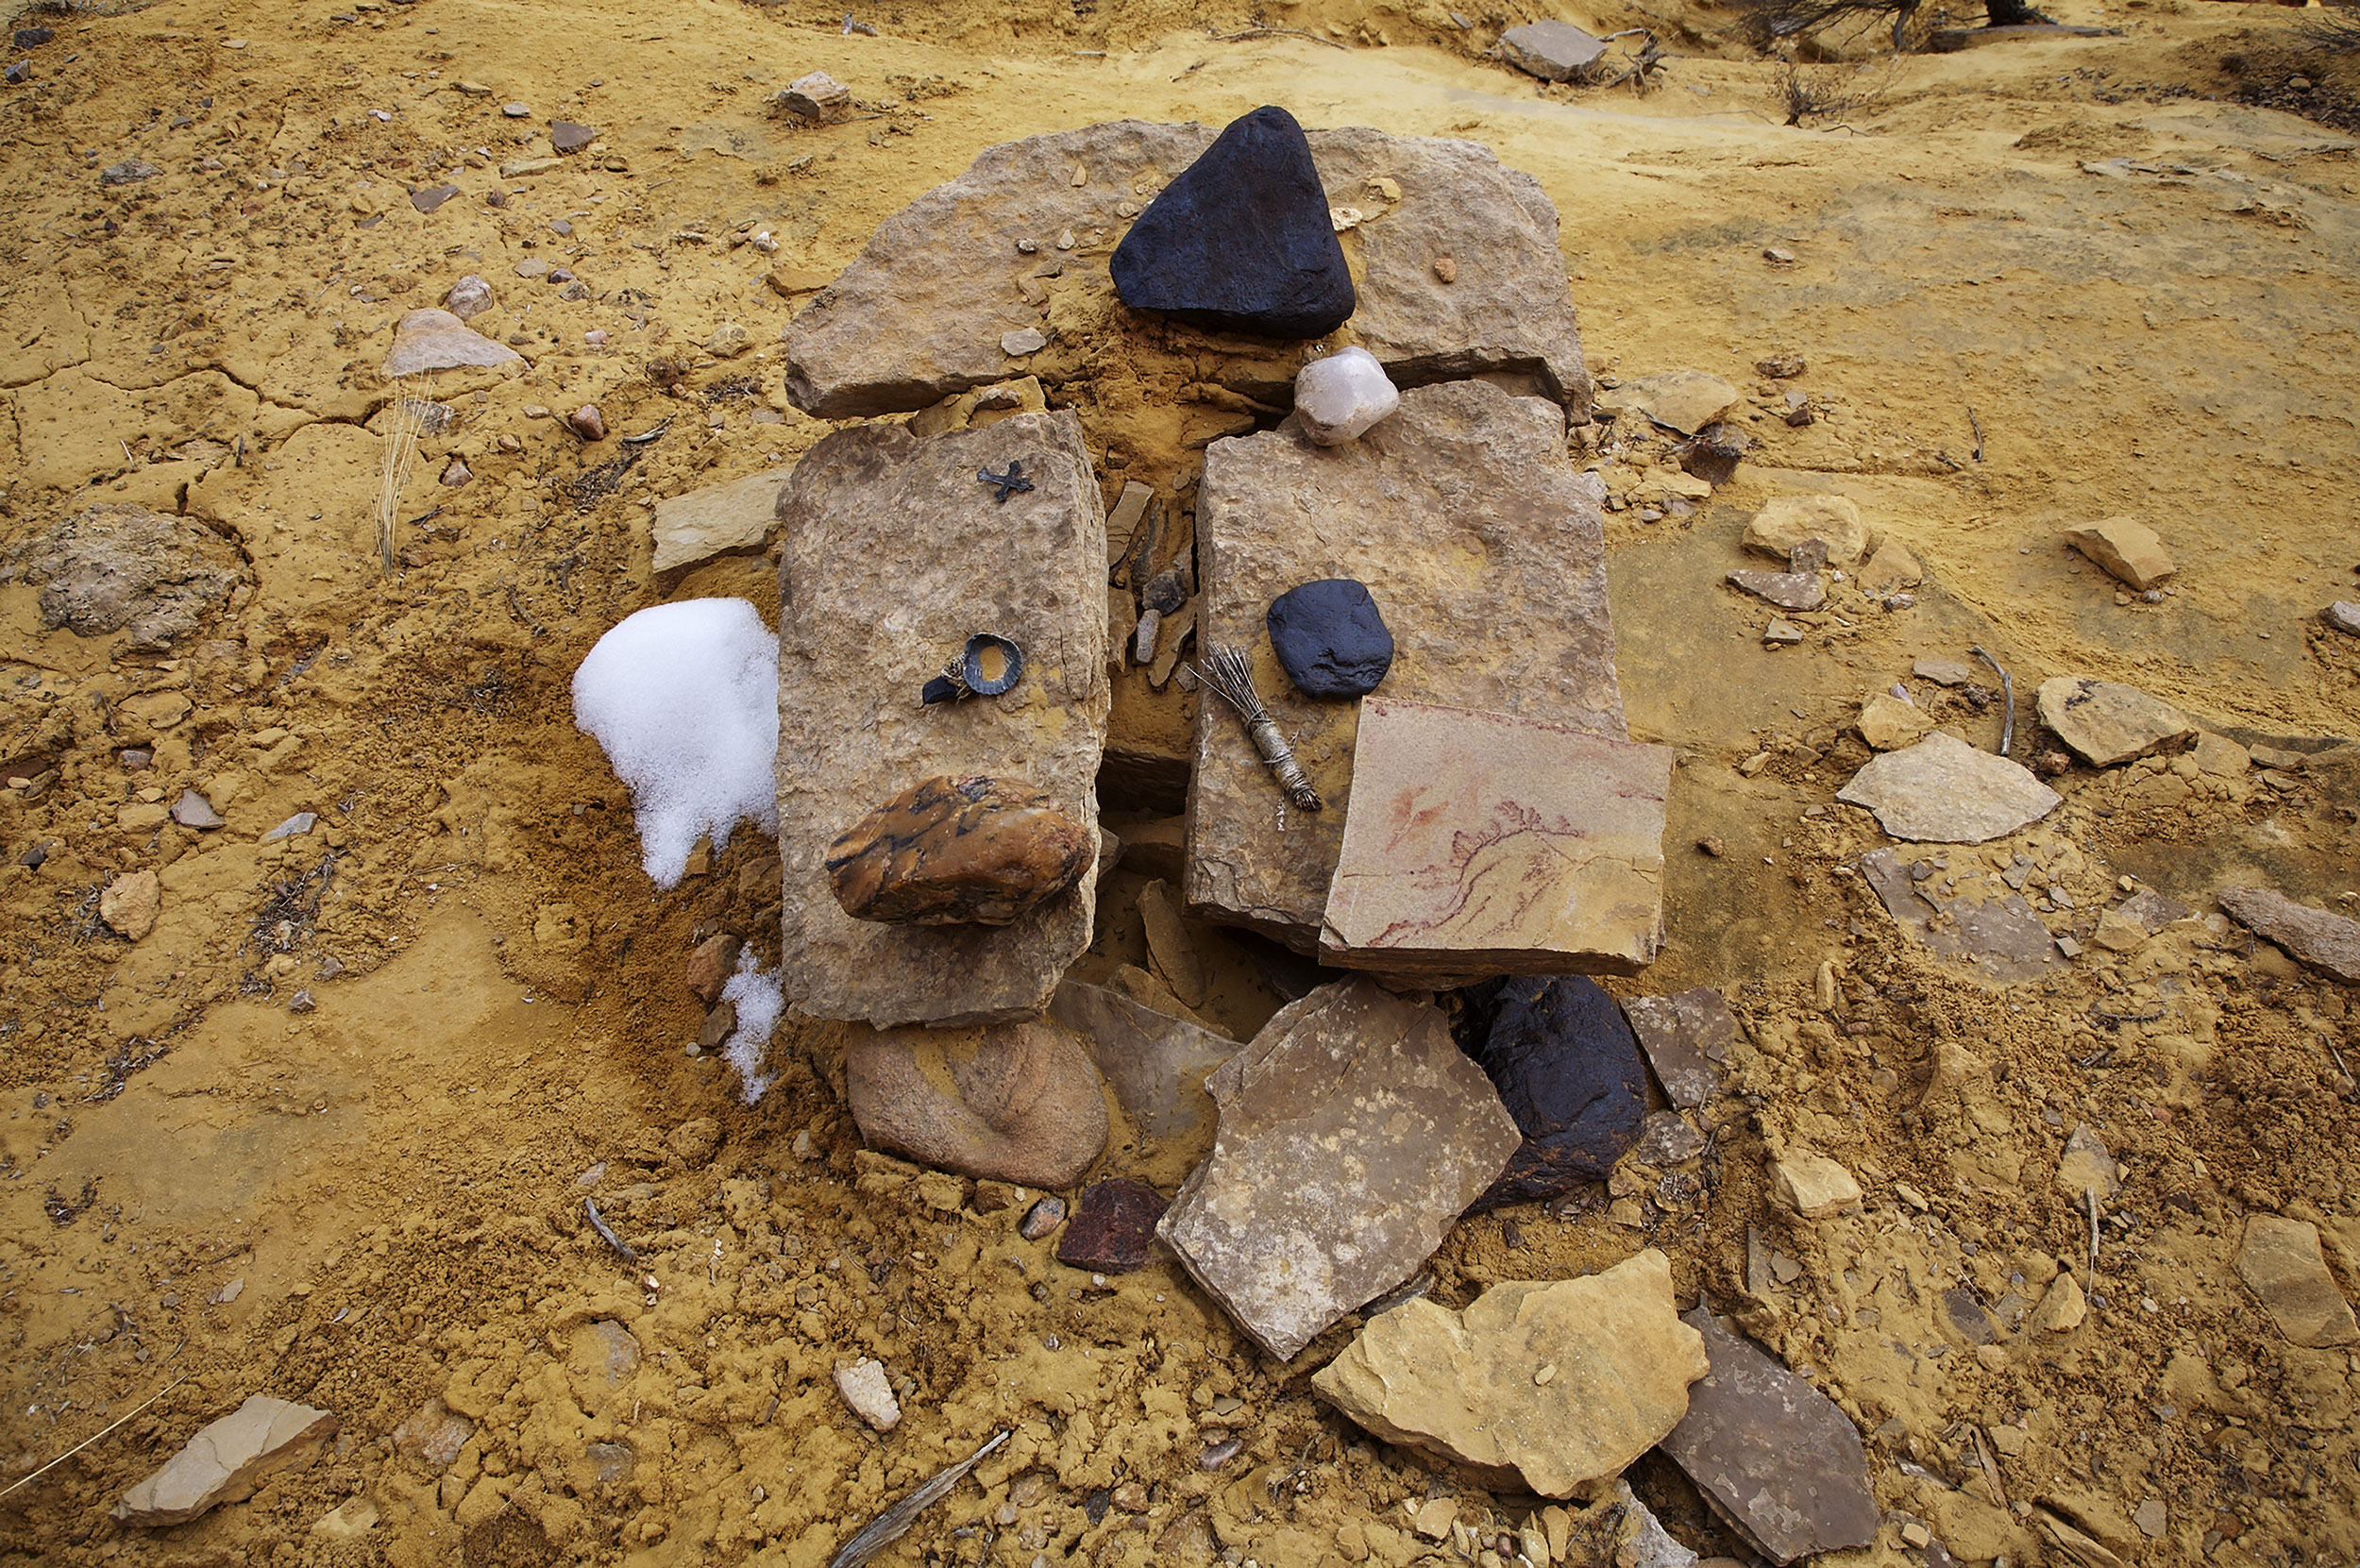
[2325,941]
[1999,942]
[1463,519]
[919,314]
[2127,549]
[1240,241]
[1787,590]
[2282,1263]
[1687,1038]
[1775,1457]
[1888,723]
[1943,791]
[227,1462]
[958,850]
[1155,1063]
[1683,400]
[1546,1387]
[884,575]
[1338,397]
[1352,1133]
[1016,1102]
[721,519]
[131,903]
[1553,51]
[1112,1228]
[866,1392]
[2106,724]
[1484,844]
[428,339]
[1812,1185]
[1566,1065]
[1787,521]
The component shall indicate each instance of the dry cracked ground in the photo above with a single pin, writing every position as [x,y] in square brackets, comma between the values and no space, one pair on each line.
[2033,285]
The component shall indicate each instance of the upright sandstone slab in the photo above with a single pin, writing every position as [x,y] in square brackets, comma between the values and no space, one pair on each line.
[1479,844]
[1486,554]
[919,314]
[1352,1133]
[895,553]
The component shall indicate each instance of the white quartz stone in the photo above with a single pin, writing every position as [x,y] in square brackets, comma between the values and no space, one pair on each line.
[1341,395]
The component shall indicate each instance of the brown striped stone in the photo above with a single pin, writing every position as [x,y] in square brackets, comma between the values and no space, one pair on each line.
[972,850]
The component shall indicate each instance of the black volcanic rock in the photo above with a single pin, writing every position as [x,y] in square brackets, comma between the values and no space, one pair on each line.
[1330,639]
[1567,1067]
[1241,239]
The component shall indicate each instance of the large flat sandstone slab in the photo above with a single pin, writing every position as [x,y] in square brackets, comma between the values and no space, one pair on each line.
[1484,550]
[1352,1133]
[894,555]
[920,315]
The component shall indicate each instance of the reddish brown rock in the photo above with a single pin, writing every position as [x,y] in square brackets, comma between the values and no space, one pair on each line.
[955,850]
[710,966]
[1112,1225]
[1016,1103]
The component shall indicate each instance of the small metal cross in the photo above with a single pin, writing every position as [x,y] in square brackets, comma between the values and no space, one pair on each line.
[1003,485]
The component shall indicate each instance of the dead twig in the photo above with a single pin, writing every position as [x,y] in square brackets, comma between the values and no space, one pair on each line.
[1274,32]
[1975,425]
[894,1522]
[2007,696]
[607,1236]
[2089,1198]
[95,1436]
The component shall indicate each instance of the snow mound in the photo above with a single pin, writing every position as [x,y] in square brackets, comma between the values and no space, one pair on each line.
[684,697]
[760,1000]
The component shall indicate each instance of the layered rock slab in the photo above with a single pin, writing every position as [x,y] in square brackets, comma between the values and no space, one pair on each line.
[1482,844]
[2105,723]
[2327,941]
[1462,516]
[732,519]
[228,1460]
[1942,790]
[894,555]
[1155,1063]
[919,314]
[1352,1133]
[1546,1387]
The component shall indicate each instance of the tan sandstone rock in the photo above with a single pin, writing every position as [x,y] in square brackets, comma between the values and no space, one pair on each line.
[1787,521]
[721,519]
[1014,1101]
[2127,549]
[228,1460]
[1812,1185]
[2106,723]
[1545,1386]
[2282,1263]
[130,903]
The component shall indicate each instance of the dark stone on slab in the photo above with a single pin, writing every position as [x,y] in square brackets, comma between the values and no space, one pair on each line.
[565,136]
[1112,1227]
[432,197]
[951,851]
[1567,1068]
[1686,1037]
[1965,1314]
[1330,639]
[1773,1456]
[1713,453]
[1241,241]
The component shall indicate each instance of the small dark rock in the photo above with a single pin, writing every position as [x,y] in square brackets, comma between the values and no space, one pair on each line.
[432,197]
[1043,1218]
[1165,593]
[718,1026]
[137,759]
[1809,556]
[561,275]
[1787,590]
[574,290]
[587,422]
[1800,416]
[497,198]
[1112,1227]
[36,853]
[301,1003]
[19,73]
[1330,639]
[1713,453]
[565,136]
[32,37]
[711,964]
[1567,1068]
[1241,241]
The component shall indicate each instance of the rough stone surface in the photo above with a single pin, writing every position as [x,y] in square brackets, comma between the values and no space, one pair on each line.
[1812,1185]
[131,903]
[1240,241]
[1155,1063]
[1774,1455]
[1683,400]
[1467,1387]
[117,568]
[2127,549]
[1014,1101]
[2342,615]
[1888,723]
[433,1436]
[1943,791]
[1352,1133]
[227,1461]
[1112,1227]
[2086,1168]
[355,1518]
[2281,1264]
[1501,568]
[884,575]
[1338,397]
[1687,1038]
[1787,590]
[1330,639]
[1566,1065]
[2106,724]
[2000,943]
[192,810]
[1891,566]
[2325,941]
[1481,844]
[1170,948]
[919,315]
[863,1388]
[958,850]
[2063,1307]
[721,519]
[1553,51]
[1786,521]
[429,339]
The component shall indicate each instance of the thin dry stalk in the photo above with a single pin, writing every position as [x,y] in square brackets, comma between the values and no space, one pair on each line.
[95,1436]
[405,422]
[1831,93]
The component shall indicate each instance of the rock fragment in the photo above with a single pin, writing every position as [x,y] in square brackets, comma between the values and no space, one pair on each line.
[1014,1101]
[1330,639]
[1112,1227]
[1775,1457]
[2343,616]
[1539,1387]
[568,137]
[1888,723]
[817,97]
[958,850]
[2127,549]
[1155,1063]
[118,567]
[1240,241]
[1338,397]
[1169,949]
[1812,1185]
[732,518]
[1787,521]
[2105,723]
[429,340]
[1942,790]
[1787,590]
[1687,1038]
[2325,941]
[1552,50]
[227,1462]
[2280,1262]
[129,171]
[1352,1133]
[863,1388]
[130,903]
[1566,1065]
[1043,1218]
[1893,567]
[2001,940]
[192,810]
[2063,1307]
[1681,401]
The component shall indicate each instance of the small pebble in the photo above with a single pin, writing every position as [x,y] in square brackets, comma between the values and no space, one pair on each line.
[301,1003]
[1043,1218]
[1446,268]
[457,473]
[587,423]
[1220,1453]
[1028,247]
[517,111]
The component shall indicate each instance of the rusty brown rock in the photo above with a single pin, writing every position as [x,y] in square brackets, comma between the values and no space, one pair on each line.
[711,964]
[1112,1227]
[1016,1103]
[956,851]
